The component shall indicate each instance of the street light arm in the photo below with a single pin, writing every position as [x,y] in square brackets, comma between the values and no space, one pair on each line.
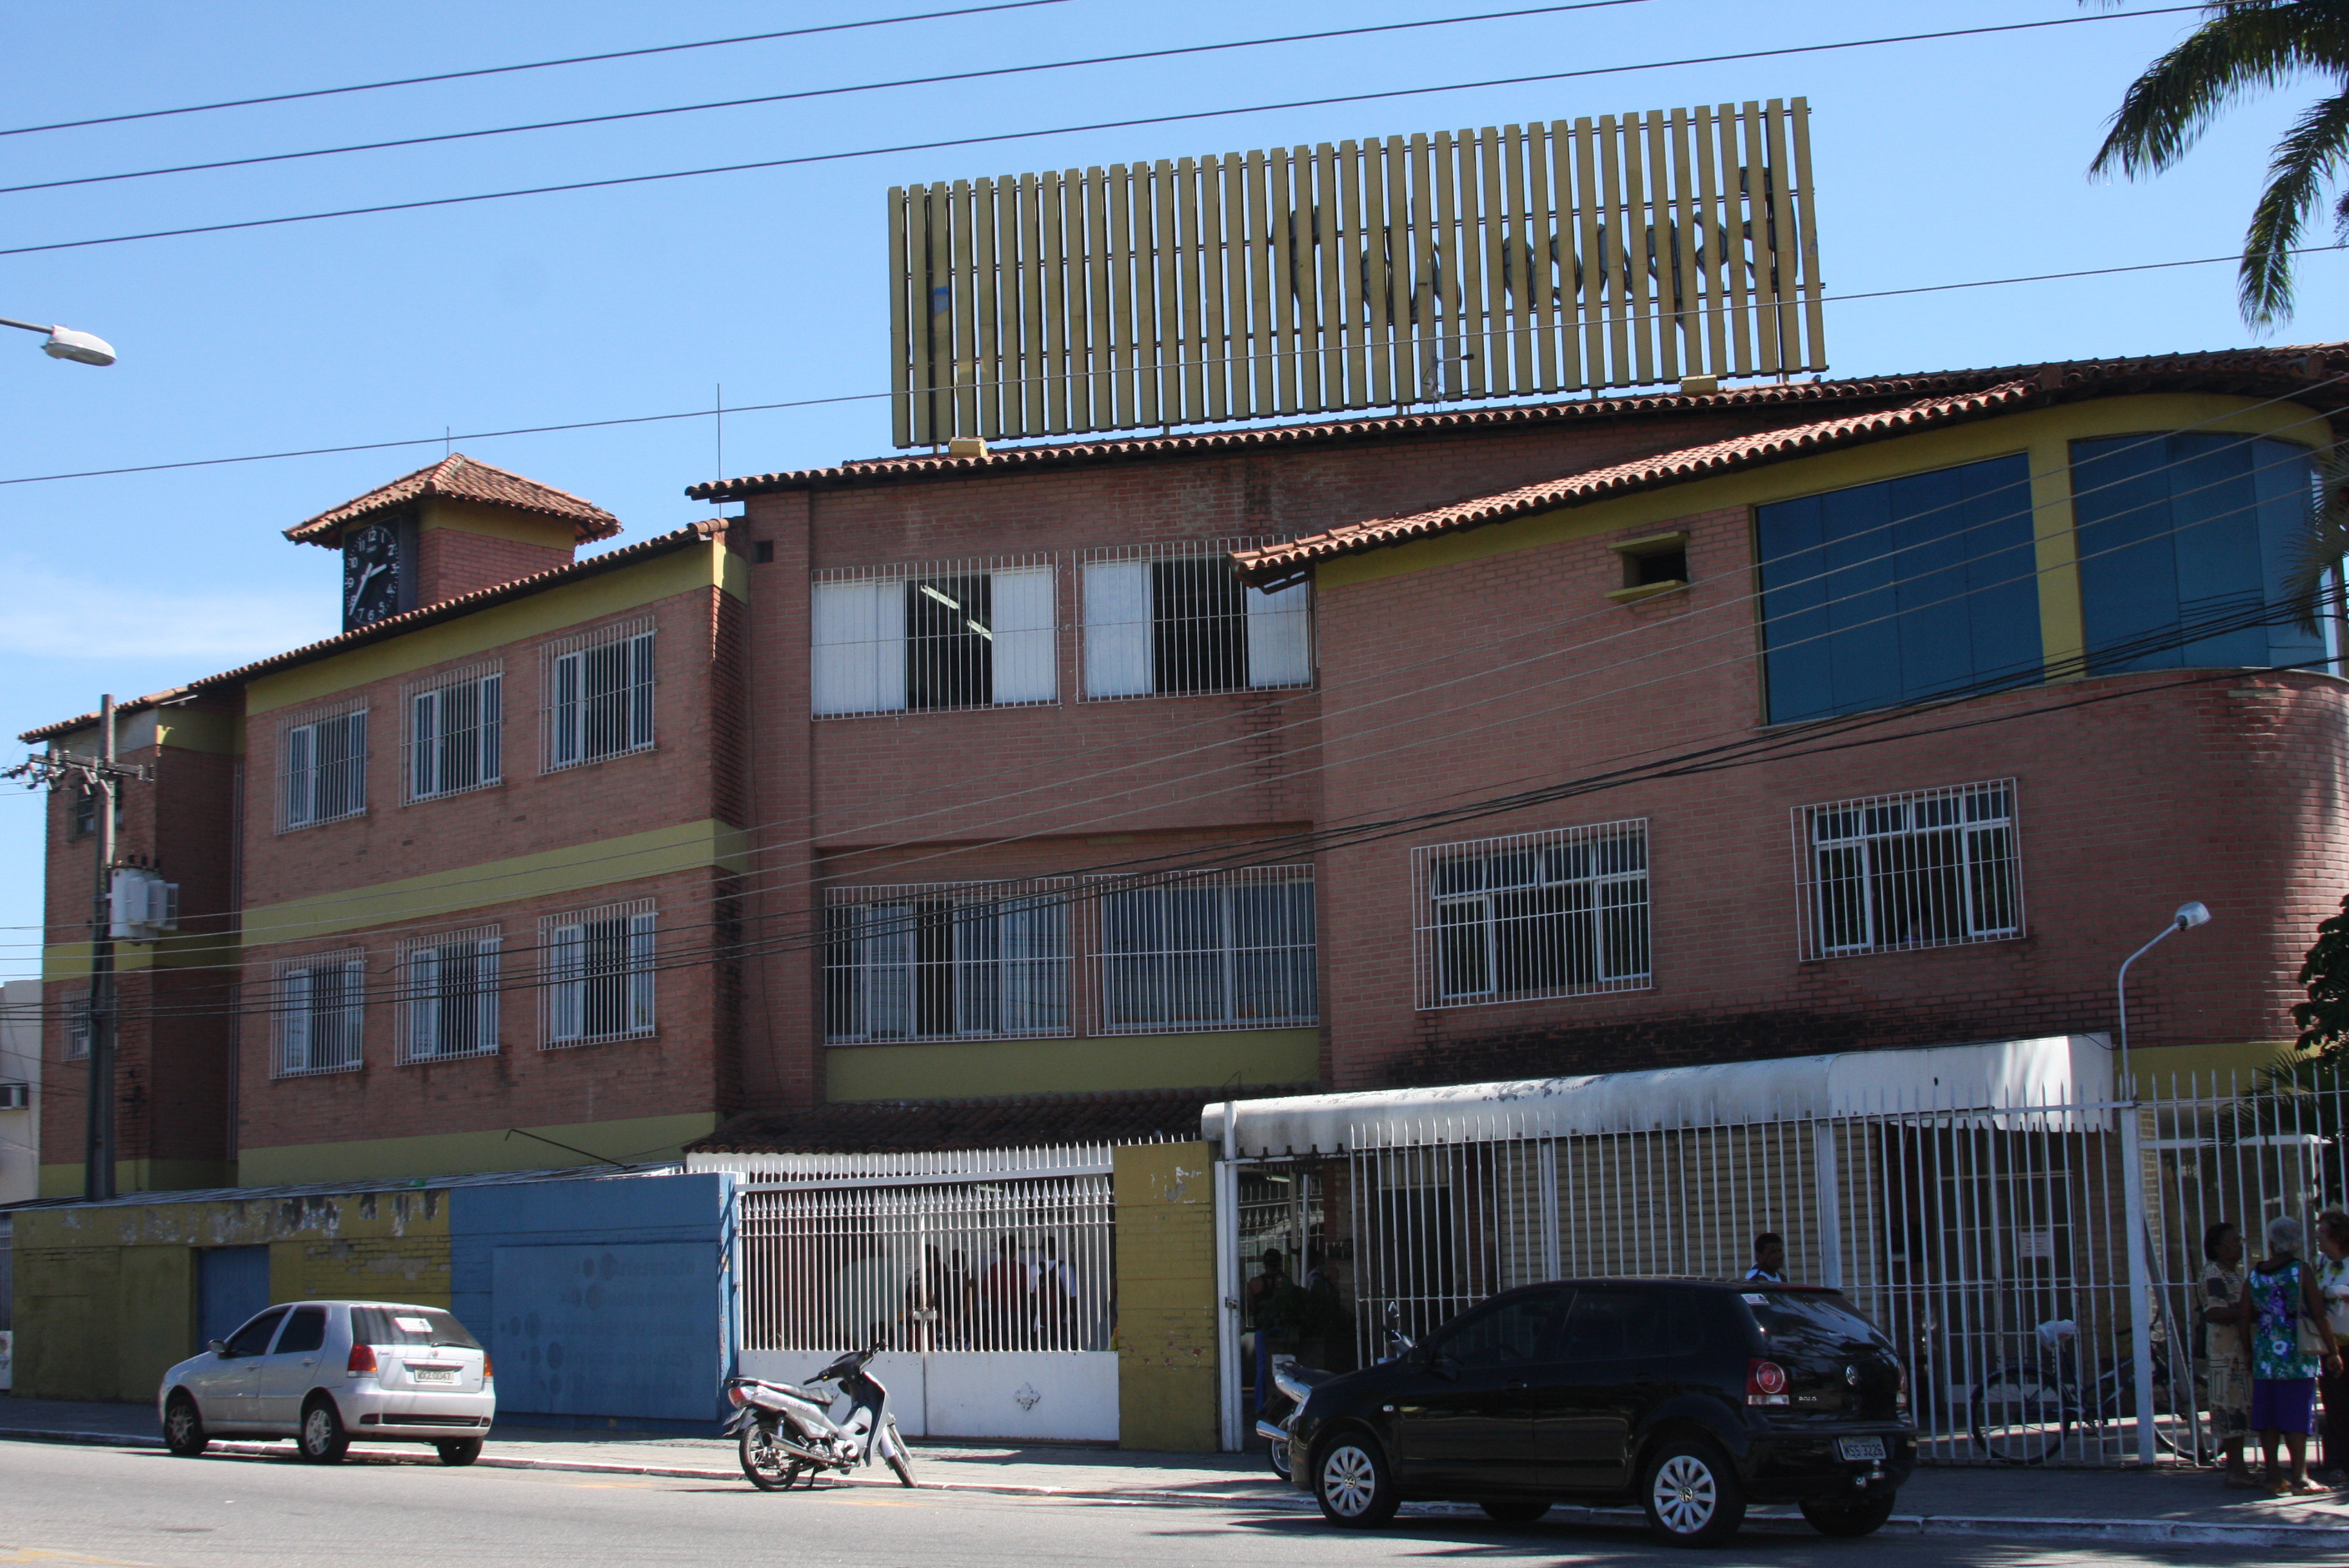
[27,326]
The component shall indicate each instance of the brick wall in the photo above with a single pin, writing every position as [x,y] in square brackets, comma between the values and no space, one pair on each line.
[454,562]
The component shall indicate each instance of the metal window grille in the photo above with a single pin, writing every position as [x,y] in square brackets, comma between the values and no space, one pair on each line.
[945,635]
[1933,867]
[990,1250]
[1207,949]
[1561,912]
[77,1028]
[1169,620]
[322,767]
[449,996]
[319,1013]
[598,690]
[946,961]
[455,723]
[597,968]
[85,811]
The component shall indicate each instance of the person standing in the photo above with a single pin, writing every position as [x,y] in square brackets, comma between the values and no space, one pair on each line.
[1270,1314]
[2227,1386]
[2283,1296]
[1769,1259]
[1054,1285]
[1003,1301]
[2332,1286]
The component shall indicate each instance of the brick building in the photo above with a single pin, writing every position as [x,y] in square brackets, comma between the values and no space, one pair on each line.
[1055,790]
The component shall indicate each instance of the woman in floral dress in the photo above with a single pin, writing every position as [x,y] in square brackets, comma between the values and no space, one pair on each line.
[2283,1296]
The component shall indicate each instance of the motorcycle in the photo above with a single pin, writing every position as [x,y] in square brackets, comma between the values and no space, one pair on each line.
[1291,1384]
[788,1436]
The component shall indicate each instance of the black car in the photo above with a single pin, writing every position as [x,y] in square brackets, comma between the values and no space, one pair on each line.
[1694,1397]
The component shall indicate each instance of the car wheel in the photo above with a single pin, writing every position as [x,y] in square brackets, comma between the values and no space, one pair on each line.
[1691,1493]
[1277,1456]
[323,1440]
[1516,1510]
[1848,1520]
[463,1451]
[1353,1483]
[184,1428]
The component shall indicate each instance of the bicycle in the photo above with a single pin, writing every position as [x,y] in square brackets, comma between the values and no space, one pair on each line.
[2021,1416]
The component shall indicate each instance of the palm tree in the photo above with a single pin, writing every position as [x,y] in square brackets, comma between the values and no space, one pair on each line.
[2246,45]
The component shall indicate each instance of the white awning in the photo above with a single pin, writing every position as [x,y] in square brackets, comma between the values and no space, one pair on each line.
[2000,1075]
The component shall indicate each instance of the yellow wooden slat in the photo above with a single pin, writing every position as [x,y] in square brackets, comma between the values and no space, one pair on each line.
[1062,267]
[1353,239]
[1149,350]
[1541,230]
[1166,306]
[1637,310]
[1027,284]
[1590,255]
[1769,355]
[1566,247]
[1426,364]
[1451,334]
[1218,183]
[1735,223]
[1815,314]
[1291,274]
[1395,258]
[988,357]
[1517,257]
[905,278]
[1121,297]
[1377,325]
[1687,325]
[1614,252]
[1475,359]
[1329,292]
[1493,229]
[1788,314]
[966,317]
[1705,147]
[1263,363]
[1190,228]
[1102,375]
[1659,249]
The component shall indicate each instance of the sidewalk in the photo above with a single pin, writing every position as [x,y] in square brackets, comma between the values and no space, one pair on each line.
[2118,1506]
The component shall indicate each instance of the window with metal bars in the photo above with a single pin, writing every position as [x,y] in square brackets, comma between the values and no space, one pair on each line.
[77,1026]
[599,695]
[597,967]
[454,732]
[1167,620]
[1929,869]
[449,996]
[1208,950]
[955,960]
[949,634]
[319,1013]
[322,768]
[1562,912]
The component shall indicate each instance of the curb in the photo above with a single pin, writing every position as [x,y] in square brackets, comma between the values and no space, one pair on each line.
[2111,1532]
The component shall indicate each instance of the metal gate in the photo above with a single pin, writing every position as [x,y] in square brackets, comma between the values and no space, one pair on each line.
[1992,1244]
[988,1276]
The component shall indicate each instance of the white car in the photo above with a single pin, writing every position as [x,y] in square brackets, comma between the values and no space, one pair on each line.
[324,1372]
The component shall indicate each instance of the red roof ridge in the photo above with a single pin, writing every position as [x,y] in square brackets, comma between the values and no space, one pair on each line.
[460,478]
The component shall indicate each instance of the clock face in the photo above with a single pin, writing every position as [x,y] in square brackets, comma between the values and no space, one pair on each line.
[371,572]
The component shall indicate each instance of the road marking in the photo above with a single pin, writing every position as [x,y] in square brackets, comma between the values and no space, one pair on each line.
[35,1554]
[880,1502]
[608,1485]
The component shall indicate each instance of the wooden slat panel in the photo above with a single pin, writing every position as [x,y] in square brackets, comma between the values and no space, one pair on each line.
[1328,304]
[1451,336]
[1540,243]
[1218,183]
[1661,227]
[1063,277]
[1512,293]
[1714,232]
[1785,263]
[1378,318]
[1815,315]
[1263,365]
[1565,245]
[1426,366]
[1740,251]
[1634,304]
[1121,297]
[1760,207]
[1475,360]
[1590,255]
[1166,323]
[1395,255]
[1149,349]
[907,277]
[919,300]
[1614,250]
[1688,334]
[1023,289]
[988,358]
[966,315]
[1290,281]
[1353,239]
[1100,397]
[1492,347]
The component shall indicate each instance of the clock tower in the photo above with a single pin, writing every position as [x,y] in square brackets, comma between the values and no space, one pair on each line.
[447,530]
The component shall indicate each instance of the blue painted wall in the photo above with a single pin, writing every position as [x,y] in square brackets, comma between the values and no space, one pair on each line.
[603,1300]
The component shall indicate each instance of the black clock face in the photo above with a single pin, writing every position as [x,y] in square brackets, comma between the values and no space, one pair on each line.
[371,569]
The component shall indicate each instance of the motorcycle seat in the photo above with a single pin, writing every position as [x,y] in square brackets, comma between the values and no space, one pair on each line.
[796,1392]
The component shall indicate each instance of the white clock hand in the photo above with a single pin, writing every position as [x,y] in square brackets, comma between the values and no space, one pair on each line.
[360,587]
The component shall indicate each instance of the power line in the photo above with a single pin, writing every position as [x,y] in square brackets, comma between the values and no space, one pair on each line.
[809,158]
[530,65]
[875,396]
[823,92]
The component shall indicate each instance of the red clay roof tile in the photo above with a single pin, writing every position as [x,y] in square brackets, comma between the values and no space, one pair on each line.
[460,478]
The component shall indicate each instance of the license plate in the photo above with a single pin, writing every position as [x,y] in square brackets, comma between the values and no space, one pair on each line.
[1861,1448]
[449,1375]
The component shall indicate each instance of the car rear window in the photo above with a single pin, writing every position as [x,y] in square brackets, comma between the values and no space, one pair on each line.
[409,1326]
[1807,1319]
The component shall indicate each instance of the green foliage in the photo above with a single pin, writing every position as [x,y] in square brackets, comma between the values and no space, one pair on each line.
[2323,1018]
[2247,46]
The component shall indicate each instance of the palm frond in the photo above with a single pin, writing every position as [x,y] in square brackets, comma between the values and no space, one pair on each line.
[2309,153]
[2246,45]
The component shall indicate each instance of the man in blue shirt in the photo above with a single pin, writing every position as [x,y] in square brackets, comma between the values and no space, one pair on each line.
[1769,1259]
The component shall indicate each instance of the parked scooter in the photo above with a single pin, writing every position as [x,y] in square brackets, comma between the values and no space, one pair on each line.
[1291,1383]
[788,1435]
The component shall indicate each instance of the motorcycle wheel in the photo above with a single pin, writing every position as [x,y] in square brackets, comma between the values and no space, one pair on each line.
[768,1467]
[899,1460]
[1276,1455]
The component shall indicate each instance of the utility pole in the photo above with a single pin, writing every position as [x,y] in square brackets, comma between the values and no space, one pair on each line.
[102,777]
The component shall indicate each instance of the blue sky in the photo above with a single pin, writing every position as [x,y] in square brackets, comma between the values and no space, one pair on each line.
[1936,162]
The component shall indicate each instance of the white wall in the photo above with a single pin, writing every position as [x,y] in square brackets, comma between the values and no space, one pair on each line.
[1067,1396]
[20,1061]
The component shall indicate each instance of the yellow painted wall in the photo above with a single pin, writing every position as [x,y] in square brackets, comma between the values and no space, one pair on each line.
[1167,1363]
[63,1179]
[499,523]
[629,1141]
[970,1069]
[106,1295]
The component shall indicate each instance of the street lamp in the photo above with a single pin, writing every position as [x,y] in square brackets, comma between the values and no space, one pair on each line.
[65,343]
[2189,916]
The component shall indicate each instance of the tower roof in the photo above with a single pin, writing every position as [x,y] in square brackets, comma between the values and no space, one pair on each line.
[460,478]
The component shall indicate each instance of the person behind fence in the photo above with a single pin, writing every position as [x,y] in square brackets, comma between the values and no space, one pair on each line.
[1769,1259]
[1275,1311]
[2288,1341]
[1328,1337]
[2333,1284]
[1003,1301]
[2227,1363]
[1054,1284]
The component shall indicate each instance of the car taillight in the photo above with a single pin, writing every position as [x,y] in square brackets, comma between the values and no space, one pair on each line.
[486,1372]
[1901,1397]
[362,1360]
[1765,1382]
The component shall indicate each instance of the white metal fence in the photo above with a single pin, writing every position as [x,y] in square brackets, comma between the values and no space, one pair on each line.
[1992,1246]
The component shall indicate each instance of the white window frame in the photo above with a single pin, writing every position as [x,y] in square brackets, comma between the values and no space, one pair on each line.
[568,721]
[1126,970]
[432,755]
[309,795]
[862,658]
[570,970]
[1848,859]
[1009,974]
[77,1028]
[305,1039]
[1609,862]
[1123,623]
[427,989]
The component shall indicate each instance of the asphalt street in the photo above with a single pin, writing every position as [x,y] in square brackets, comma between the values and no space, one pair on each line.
[66,1504]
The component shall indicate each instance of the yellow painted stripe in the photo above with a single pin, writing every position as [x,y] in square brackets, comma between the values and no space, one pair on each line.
[629,1141]
[967,1069]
